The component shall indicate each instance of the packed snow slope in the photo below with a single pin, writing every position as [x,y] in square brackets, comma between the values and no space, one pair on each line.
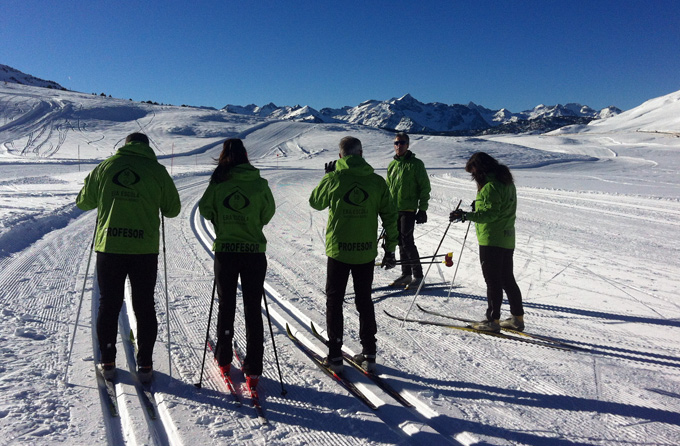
[597,259]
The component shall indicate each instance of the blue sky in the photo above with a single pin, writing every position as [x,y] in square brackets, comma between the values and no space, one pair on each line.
[499,54]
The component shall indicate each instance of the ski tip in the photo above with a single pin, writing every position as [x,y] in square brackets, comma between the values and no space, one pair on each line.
[314,330]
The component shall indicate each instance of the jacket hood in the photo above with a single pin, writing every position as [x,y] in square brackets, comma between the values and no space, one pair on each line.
[240,172]
[245,172]
[137,148]
[353,165]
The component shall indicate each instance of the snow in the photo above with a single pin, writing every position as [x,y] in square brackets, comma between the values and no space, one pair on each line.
[597,260]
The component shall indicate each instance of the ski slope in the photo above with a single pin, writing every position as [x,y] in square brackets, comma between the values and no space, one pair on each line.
[597,261]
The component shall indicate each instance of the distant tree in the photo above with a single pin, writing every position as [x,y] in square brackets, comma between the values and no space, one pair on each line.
[103,95]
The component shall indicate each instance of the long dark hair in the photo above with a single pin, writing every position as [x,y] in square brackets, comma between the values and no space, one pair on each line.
[481,164]
[233,154]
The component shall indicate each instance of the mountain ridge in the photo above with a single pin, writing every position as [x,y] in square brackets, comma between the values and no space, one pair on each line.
[410,115]
[404,114]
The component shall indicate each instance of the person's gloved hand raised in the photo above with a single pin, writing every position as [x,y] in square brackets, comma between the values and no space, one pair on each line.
[329,167]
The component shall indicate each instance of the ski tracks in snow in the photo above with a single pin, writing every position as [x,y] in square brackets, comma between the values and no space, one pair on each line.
[466,387]
[39,285]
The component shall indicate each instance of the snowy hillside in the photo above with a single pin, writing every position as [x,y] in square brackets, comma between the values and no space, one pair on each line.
[597,260]
[12,75]
[659,115]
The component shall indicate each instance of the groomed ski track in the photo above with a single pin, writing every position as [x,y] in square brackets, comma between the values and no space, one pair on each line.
[445,375]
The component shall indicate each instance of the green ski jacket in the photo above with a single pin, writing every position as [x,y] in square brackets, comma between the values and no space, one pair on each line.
[239,208]
[408,183]
[128,190]
[355,196]
[495,214]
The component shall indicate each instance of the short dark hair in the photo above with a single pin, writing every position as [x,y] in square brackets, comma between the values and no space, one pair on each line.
[137,137]
[349,145]
[403,136]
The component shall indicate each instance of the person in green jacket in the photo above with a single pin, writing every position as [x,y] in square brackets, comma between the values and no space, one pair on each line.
[494,213]
[355,196]
[410,188]
[129,191]
[239,204]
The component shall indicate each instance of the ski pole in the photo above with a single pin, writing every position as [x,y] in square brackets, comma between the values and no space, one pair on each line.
[276,356]
[459,257]
[207,334]
[382,237]
[80,304]
[420,286]
[447,260]
[167,298]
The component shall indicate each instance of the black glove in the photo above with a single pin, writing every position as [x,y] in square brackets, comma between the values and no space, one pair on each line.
[389,261]
[457,215]
[421,217]
[329,167]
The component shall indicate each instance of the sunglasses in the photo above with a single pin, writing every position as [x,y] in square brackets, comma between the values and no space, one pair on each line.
[400,143]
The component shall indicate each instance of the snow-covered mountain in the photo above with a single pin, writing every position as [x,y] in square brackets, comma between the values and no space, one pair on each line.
[404,114]
[9,74]
[408,114]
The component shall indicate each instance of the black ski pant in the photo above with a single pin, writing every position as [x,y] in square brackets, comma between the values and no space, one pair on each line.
[497,268]
[408,253]
[336,285]
[252,268]
[112,270]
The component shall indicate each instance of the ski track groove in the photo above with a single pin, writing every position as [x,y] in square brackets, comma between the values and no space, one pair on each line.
[44,269]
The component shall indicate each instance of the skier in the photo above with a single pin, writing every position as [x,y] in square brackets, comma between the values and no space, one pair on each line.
[355,196]
[239,203]
[410,188]
[494,213]
[128,190]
